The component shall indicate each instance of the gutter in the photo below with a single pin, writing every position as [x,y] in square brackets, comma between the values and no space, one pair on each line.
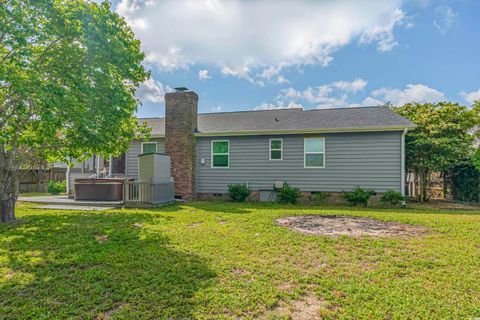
[303,131]
[281,132]
[402,170]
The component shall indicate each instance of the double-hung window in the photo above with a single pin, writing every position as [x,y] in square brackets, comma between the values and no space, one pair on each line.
[220,153]
[149,147]
[314,152]
[276,149]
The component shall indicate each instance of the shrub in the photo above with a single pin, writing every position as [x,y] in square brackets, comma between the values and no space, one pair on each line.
[57,187]
[288,194]
[238,192]
[320,197]
[358,196]
[392,197]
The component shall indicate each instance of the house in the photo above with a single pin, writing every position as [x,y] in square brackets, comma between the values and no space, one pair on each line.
[328,150]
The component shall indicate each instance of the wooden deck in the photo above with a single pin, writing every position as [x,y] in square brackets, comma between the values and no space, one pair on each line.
[65,201]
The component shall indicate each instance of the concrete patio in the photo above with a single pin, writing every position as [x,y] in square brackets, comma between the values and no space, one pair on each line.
[64,203]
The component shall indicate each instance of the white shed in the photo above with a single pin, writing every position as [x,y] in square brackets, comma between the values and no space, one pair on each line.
[153,167]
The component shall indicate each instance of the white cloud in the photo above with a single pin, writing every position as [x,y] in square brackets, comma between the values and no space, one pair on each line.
[367,102]
[445,17]
[354,86]
[338,95]
[241,72]
[383,34]
[278,105]
[412,93]
[333,95]
[370,102]
[281,79]
[203,75]
[273,73]
[471,97]
[241,38]
[152,91]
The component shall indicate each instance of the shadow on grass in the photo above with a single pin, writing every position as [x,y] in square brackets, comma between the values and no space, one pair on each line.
[93,265]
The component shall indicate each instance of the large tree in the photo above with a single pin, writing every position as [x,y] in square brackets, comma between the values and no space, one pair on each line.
[68,74]
[443,138]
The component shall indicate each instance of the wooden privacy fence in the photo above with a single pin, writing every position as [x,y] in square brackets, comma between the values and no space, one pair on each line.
[137,193]
[37,180]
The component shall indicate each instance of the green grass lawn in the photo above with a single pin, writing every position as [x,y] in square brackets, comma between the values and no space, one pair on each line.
[215,260]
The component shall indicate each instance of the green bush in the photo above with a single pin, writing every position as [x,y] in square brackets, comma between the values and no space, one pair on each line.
[358,196]
[57,187]
[288,194]
[320,197]
[238,192]
[392,197]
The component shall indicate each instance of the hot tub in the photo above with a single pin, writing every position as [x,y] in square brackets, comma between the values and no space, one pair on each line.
[101,189]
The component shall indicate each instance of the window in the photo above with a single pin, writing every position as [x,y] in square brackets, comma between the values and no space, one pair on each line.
[220,153]
[149,147]
[314,149]
[276,146]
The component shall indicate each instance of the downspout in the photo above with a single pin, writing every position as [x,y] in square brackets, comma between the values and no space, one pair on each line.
[402,146]
[68,186]
[110,166]
[97,171]
[68,180]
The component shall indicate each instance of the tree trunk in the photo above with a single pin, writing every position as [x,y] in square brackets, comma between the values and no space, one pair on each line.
[8,186]
[423,179]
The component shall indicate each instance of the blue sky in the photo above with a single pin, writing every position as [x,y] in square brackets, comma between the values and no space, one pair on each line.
[245,55]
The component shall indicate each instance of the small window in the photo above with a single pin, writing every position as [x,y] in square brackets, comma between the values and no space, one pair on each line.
[276,149]
[149,147]
[220,153]
[314,149]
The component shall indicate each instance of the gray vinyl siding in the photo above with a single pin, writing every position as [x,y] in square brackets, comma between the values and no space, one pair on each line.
[133,152]
[370,160]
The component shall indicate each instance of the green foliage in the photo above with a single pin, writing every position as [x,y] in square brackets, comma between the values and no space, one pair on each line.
[392,197]
[442,139]
[464,183]
[358,196]
[238,192]
[476,159]
[57,187]
[68,77]
[320,197]
[288,194]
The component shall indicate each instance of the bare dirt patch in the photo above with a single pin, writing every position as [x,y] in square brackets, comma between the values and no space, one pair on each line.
[335,226]
[307,308]
[101,238]
[108,314]
[195,224]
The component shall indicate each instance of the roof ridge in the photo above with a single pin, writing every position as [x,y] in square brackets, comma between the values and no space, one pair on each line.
[244,111]
[269,110]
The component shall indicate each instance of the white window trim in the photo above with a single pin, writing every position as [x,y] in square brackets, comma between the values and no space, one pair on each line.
[305,153]
[270,149]
[148,142]
[219,154]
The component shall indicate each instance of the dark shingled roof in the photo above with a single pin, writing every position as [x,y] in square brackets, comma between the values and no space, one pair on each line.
[338,119]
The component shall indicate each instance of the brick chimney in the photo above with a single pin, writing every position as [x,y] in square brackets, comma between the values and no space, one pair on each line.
[180,125]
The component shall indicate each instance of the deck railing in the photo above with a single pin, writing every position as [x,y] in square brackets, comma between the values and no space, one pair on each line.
[139,193]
